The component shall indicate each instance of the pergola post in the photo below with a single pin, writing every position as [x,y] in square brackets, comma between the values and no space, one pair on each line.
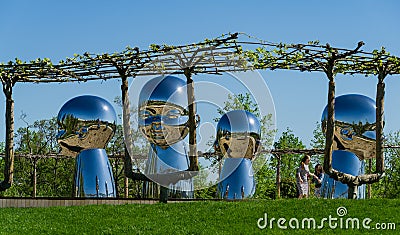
[34,177]
[330,125]
[127,127]
[9,148]
[380,101]
[126,187]
[278,176]
[194,164]
[369,188]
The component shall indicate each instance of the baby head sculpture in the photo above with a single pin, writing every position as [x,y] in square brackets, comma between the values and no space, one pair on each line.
[85,122]
[163,115]
[238,134]
[355,122]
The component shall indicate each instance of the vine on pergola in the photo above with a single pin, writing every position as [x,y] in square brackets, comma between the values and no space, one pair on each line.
[222,54]
[209,57]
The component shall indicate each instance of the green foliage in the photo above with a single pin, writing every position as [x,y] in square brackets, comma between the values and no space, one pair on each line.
[318,142]
[239,101]
[207,193]
[206,190]
[289,162]
[39,138]
[266,183]
[389,187]
[116,146]
[2,147]
[316,57]
[289,188]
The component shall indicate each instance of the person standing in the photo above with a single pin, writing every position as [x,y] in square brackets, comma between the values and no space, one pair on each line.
[317,179]
[302,175]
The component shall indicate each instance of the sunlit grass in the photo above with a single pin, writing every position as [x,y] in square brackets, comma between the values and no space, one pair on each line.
[204,217]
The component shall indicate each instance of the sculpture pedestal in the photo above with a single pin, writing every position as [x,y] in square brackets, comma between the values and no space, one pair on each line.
[93,174]
[237,179]
[346,162]
[166,167]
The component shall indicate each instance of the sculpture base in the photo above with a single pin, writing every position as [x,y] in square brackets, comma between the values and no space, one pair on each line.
[167,168]
[237,179]
[346,162]
[93,174]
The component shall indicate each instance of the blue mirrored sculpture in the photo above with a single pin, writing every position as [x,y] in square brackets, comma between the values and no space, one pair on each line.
[354,141]
[346,162]
[355,122]
[238,134]
[163,115]
[164,166]
[86,124]
[163,120]
[237,179]
[94,177]
[238,140]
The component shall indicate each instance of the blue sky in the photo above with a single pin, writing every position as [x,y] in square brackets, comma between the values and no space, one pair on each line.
[58,29]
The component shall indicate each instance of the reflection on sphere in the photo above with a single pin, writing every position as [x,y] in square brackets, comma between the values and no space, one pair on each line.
[355,122]
[238,134]
[85,122]
[163,115]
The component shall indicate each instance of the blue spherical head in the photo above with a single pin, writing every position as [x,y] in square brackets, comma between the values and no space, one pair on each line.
[355,122]
[167,89]
[85,122]
[163,115]
[238,134]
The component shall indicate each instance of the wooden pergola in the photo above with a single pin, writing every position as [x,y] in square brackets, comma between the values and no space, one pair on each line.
[228,53]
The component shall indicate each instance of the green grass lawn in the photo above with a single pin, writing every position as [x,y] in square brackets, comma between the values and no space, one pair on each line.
[203,217]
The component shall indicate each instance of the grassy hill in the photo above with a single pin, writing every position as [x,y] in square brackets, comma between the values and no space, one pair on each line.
[210,217]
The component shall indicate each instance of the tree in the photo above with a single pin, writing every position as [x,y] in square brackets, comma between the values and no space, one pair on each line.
[207,190]
[37,174]
[318,142]
[288,163]
[388,187]
[128,168]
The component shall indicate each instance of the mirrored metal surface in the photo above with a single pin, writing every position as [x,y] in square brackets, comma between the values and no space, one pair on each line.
[355,122]
[237,179]
[93,174]
[85,122]
[163,115]
[166,165]
[346,162]
[238,134]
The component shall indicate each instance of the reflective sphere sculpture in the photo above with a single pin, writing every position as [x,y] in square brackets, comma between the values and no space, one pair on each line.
[355,122]
[85,122]
[163,115]
[346,162]
[238,134]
